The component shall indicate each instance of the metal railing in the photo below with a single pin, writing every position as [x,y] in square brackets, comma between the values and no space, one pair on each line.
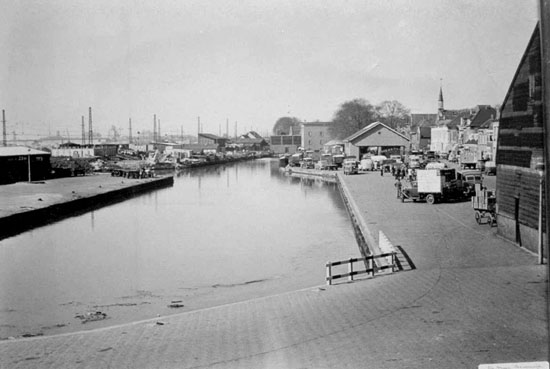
[371,266]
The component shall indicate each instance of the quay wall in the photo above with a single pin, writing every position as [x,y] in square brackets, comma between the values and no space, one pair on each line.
[368,244]
[19,222]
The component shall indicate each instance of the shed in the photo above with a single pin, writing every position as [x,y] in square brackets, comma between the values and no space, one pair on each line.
[18,163]
[520,147]
[376,137]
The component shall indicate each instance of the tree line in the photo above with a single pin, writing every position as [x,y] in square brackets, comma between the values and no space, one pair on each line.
[352,116]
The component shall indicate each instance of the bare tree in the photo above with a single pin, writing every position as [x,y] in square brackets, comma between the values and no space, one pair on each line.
[393,113]
[351,117]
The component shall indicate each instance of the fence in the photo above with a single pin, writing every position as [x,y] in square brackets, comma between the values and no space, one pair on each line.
[371,267]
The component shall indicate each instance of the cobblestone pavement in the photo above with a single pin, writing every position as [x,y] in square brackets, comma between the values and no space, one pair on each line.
[474,298]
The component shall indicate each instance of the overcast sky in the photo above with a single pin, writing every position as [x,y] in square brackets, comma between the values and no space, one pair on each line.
[249,62]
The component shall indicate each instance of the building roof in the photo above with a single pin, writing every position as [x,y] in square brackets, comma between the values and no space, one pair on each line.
[251,134]
[484,113]
[334,142]
[211,136]
[423,120]
[371,127]
[20,151]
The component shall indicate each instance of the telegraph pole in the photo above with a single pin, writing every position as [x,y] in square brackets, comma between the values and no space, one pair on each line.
[154,128]
[130,130]
[4,141]
[90,129]
[83,132]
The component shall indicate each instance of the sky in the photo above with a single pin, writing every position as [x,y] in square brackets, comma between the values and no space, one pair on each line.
[243,64]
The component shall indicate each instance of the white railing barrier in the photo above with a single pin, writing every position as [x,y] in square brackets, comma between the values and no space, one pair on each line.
[371,267]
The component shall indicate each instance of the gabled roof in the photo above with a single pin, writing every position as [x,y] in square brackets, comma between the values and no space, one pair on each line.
[484,112]
[370,127]
[251,134]
[20,151]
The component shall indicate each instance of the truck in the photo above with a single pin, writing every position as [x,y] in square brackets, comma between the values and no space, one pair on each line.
[468,158]
[433,185]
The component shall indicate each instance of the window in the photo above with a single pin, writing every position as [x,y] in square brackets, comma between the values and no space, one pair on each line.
[309,134]
[321,133]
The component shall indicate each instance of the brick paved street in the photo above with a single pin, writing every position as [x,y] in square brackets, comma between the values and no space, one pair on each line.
[474,298]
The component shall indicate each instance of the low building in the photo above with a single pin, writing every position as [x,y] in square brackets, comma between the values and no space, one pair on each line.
[252,141]
[283,144]
[520,148]
[18,163]
[376,137]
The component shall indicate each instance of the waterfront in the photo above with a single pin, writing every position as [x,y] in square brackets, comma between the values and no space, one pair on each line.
[222,234]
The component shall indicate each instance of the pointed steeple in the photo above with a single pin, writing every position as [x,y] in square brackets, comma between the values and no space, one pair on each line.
[440,107]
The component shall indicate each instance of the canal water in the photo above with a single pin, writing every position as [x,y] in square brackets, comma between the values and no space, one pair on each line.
[221,234]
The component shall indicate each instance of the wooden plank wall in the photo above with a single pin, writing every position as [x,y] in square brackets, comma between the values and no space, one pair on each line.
[514,182]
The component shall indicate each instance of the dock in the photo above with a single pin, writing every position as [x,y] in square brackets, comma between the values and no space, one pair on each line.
[26,205]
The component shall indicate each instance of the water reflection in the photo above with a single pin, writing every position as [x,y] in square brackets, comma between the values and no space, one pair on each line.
[203,241]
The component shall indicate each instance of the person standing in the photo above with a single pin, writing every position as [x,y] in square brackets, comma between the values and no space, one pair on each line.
[398,186]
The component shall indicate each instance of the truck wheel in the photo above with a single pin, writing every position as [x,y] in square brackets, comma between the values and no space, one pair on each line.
[430,199]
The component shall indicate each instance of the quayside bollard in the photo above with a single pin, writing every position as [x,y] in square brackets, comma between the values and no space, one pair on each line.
[350,270]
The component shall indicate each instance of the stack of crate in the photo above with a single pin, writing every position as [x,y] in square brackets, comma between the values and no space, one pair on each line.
[484,199]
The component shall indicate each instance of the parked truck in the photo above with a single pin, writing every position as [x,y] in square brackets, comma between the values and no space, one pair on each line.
[468,158]
[433,185]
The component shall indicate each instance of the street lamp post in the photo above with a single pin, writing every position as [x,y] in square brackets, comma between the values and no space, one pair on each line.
[540,169]
[29,163]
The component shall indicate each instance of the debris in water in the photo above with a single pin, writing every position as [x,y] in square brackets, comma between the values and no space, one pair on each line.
[91,317]
[160,323]
[27,335]
[175,305]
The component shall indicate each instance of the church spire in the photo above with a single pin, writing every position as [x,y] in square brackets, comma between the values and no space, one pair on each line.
[440,107]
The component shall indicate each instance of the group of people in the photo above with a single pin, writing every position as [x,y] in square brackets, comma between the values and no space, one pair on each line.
[399,172]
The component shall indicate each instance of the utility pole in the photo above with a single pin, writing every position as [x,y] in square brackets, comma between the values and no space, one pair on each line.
[90,129]
[154,128]
[226,127]
[83,132]
[198,128]
[4,141]
[129,130]
[181,134]
[159,135]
